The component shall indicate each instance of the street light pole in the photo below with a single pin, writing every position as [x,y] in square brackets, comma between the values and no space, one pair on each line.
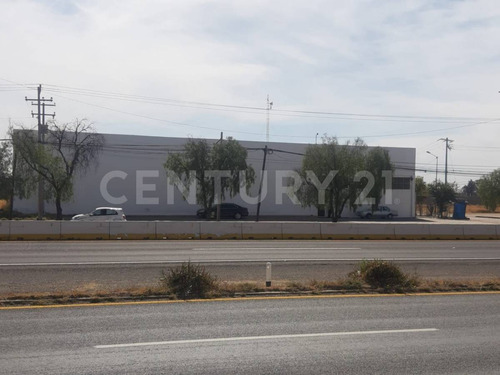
[430,153]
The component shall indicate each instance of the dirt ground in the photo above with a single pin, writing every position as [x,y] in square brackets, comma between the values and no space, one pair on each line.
[471,209]
[479,209]
[475,214]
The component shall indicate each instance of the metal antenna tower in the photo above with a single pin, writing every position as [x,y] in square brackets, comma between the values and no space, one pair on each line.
[268,108]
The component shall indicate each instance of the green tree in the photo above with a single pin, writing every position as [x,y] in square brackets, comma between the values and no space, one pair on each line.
[5,170]
[489,190]
[230,156]
[470,189]
[69,150]
[334,166]
[421,192]
[377,162]
[443,194]
[199,158]
[20,183]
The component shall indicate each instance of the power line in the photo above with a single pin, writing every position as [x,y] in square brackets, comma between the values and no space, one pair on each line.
[282,112]
[151,99]
[212,106]
[115,95]
[160,120]
[274,135]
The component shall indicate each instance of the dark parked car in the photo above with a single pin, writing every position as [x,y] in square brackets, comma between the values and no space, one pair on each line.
[227,210]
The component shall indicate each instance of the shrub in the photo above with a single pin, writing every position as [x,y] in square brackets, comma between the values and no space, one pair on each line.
[352,284]
[189,281]
[383,274]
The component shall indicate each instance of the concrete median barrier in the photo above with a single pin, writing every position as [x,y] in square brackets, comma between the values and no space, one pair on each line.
[357,231]
[413,231]
[301,231]
[35,230]
[336,231]
[479,232]
[132,230]
[375,231]
[212,230]
[262,231]
[4,230]
[84,230]
[446,232]
[177,230]
[184,230]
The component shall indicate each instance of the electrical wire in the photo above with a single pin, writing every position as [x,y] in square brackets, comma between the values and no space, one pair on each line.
[274,135]
[211,106]
[344,115]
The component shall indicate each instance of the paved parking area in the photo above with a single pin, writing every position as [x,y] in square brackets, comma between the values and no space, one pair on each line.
[479,218]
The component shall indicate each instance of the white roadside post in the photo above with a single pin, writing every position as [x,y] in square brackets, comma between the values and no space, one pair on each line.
[268,274]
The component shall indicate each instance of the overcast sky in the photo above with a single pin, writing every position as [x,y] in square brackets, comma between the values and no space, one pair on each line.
[396,73]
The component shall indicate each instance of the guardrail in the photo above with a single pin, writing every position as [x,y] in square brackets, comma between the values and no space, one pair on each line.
[206,230]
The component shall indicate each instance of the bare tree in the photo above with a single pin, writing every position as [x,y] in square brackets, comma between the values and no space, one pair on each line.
[70,149]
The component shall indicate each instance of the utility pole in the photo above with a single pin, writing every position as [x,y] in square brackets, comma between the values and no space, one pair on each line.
[261,181]
[42,129]
[219,193]
[448,147]
[268,108]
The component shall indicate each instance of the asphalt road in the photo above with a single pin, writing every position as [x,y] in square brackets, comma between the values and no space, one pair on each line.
[108,265]
[150,252]
[363,335]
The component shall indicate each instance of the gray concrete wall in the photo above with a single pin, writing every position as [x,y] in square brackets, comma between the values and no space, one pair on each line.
[137,181]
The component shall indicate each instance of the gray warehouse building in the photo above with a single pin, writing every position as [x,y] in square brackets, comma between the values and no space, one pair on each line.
[130,174]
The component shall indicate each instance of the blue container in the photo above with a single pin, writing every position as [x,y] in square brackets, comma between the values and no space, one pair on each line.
[459,210]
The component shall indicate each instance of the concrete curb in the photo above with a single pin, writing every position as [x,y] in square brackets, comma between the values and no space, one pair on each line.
[172,230]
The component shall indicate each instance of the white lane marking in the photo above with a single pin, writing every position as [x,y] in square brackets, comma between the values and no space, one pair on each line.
[273,248]
[276,337]
[203,261]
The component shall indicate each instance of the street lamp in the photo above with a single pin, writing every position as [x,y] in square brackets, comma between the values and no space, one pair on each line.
[430,153]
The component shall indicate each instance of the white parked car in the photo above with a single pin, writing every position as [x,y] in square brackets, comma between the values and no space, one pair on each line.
[381,212]
[102,214]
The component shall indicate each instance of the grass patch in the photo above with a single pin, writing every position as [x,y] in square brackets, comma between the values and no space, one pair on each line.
[189,281]
[242,289]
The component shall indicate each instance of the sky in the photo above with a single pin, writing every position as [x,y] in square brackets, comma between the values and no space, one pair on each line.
[395,73]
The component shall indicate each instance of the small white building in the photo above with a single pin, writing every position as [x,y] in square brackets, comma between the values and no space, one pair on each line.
[130,174]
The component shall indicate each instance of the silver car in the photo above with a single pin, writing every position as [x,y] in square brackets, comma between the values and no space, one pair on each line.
[102,214]
[381,212]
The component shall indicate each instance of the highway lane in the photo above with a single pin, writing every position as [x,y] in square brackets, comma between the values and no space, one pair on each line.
[110,265]
[129,252]
[364,335]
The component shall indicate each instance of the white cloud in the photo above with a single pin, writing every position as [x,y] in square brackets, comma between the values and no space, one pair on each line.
[421,58]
